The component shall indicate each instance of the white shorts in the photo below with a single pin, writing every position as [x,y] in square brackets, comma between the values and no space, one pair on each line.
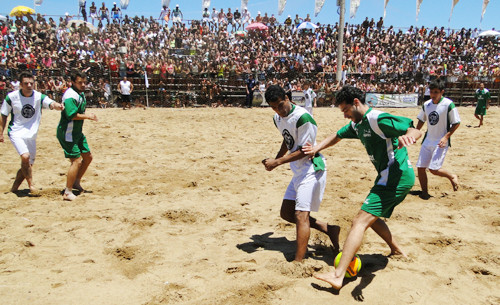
[176,19]
[23,146]
[431,157]
[307,191]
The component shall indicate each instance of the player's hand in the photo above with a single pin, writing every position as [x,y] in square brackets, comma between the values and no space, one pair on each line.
[405,141]
[93,117]
[1,138]
[270,164]
[443,142]
[309,150]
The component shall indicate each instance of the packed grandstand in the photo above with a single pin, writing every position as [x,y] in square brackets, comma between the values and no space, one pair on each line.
[208,61]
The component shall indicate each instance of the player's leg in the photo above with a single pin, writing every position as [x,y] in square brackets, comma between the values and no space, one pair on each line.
[26,170]
[436,168]
[424,160]
[303,233]
[360,223]
[71,177]
[381,228]
[422,178]
[87,159]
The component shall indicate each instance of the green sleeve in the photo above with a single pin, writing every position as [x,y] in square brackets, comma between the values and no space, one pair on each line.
[394,126]
[70,108]
[347,132]
[306,117]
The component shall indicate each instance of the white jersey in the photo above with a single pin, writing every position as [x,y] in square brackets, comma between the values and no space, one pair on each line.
[26,113]
[309,96]
[439,118]
[125,87]
[298,129]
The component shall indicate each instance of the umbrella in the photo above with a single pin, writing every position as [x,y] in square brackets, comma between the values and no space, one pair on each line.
[77,24]
[306,25]
[257,26]
[489,33]
[240,33]
[20,11]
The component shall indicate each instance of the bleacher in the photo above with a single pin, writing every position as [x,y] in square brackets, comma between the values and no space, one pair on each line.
[462,92]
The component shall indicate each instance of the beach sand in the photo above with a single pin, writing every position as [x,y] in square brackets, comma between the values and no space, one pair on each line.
[183,212]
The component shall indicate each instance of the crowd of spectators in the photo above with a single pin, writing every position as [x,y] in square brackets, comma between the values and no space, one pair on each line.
[376,58]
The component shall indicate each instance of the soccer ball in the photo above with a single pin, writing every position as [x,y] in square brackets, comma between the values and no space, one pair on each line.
[353,268]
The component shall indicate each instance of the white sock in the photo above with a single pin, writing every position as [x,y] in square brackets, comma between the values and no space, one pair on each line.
[68,191]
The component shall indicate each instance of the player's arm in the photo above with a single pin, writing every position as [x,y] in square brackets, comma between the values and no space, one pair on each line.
[131,87]
[81,116]
[411,136]
[420,124]
[282,158]
[445,139]
[311,151]
[3,122]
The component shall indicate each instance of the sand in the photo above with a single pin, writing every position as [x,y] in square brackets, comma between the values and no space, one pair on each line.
[183,212]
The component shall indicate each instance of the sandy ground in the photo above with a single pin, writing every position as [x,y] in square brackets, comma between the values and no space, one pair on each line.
[182,211]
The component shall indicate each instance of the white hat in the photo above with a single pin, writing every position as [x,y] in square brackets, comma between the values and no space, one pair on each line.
[258,13]
[177,5]
[66,13]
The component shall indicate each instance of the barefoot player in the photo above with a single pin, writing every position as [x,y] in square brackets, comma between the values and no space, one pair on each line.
[305,191]
[70,135]
[25,108]
[442,120]
[384,137]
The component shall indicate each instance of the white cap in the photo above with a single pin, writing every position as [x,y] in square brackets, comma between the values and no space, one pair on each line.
[114,3]
[66,13]
[177,5]
[258,13]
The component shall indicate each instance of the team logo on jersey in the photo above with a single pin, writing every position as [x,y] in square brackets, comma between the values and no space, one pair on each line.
[288,139]
[433,118]
[367,133]
[28,111]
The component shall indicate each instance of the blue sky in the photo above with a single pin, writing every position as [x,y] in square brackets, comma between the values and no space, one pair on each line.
[400,13]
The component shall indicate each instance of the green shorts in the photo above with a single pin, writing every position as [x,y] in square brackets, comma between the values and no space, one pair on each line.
[480,110]
[382,199]
[73,150]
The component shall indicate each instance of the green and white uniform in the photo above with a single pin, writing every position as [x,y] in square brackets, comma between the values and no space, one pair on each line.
[26,114]
[379,132]
[309,179]
[481,96]
[439,117]
[69,131]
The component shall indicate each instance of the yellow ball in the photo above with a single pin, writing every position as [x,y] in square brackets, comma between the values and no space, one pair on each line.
[354,265]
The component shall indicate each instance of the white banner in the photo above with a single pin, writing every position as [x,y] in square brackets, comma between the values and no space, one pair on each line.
[418,7]
[454,2]
[385,6]
[281,6]
[354,7]
[165,3]
[124,4]
[38,2]
[485,4]
[244,5]
[392,100]
[318,6]
[205,4]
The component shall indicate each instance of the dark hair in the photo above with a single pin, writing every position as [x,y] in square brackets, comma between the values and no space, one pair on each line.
[437,84]
[77,73]
[347,95]
[275,93]
[25,74]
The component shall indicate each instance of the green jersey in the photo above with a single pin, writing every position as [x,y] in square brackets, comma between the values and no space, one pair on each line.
[481,96]
[379,132]
[68,129]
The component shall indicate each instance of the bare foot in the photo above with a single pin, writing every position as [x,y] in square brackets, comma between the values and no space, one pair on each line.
[331,279]
[424,196]
[333,232]
[454,182]
[69,197]
[78,187]
[396,252]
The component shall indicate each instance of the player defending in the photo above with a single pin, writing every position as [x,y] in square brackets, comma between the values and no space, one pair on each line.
[385,138]
[443,119]
[483,98]
[25,108]
[70,135]
[305,191]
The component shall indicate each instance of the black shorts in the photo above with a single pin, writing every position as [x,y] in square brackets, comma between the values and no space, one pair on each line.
[126,98]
